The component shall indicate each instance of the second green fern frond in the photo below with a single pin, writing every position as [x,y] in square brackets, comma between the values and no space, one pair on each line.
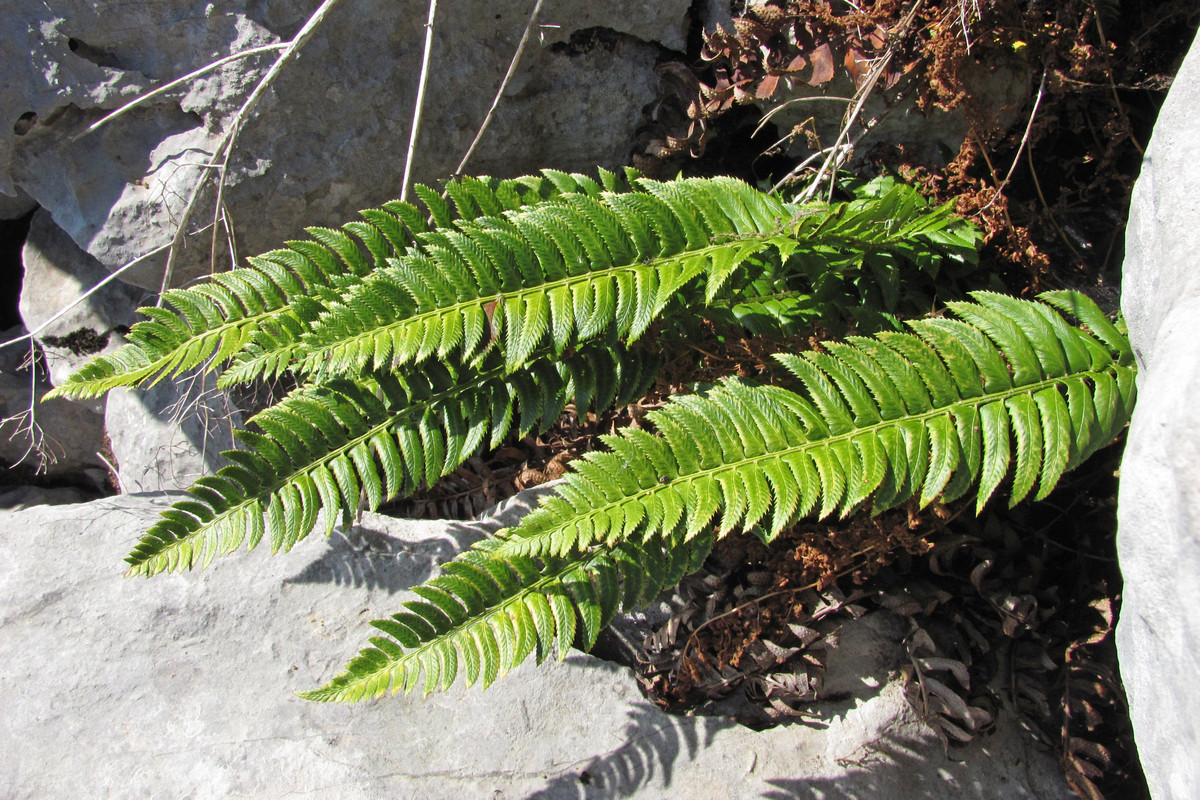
[956,406]
[1009,392]
[489,615]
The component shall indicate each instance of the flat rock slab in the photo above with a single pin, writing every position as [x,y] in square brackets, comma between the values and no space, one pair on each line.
[182,686]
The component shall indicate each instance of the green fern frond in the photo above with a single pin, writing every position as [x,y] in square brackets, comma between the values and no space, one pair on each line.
[281,293]
[561,272]
[482,616]
[329,446]
[583,265]
[1008,392]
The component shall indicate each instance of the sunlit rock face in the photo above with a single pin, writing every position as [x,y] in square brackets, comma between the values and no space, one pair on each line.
[183,686]
[1158,637]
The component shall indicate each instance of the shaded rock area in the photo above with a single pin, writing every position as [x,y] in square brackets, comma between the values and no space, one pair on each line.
[1158,537]
[182,686]
[57,273]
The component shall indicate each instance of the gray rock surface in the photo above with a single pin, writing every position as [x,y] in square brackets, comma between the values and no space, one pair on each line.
[64,440]
[57,272]
[181,686]
[1158,637]
[167,436]
[330,136]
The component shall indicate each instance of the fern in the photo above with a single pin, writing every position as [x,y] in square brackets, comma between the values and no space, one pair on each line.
[284,291]
[419,335]
[564,262]
[1008,392]
[413,348]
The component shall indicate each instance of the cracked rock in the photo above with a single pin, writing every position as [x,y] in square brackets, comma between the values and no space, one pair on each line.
[331,134]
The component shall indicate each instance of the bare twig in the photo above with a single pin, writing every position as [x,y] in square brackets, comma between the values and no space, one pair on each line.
[226,145]
[62,311]
[1117,98]
[416,125]
[25,422]
[112,468]
[815,99]
[512,68]
[1037,184]
[1024,140]
[166,87]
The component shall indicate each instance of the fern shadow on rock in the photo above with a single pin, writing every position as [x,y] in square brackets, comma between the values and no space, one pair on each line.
[365,557]
[904,769]
[387,554]
[654,743]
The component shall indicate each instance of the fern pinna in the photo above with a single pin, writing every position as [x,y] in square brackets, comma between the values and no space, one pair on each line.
[1009,391]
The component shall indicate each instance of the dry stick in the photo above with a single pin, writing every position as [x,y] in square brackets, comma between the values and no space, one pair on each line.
[166,87]
[512,68]
[416,126]
[1037,184]
[1024,140]
[226,145]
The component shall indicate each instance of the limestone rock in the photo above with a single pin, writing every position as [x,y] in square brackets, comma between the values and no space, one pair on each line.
[182,686]
[167,436]
[57,273]
[331,135]
[1158,636]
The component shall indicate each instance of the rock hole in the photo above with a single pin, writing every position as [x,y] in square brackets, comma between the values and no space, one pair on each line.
[12,238]
[25,123]
[97,56]
[587,40]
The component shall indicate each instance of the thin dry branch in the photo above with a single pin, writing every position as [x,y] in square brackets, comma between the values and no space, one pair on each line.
[166,87]
[842,149]
[100,285]
[416,126]
[1024,140]
[512,68]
